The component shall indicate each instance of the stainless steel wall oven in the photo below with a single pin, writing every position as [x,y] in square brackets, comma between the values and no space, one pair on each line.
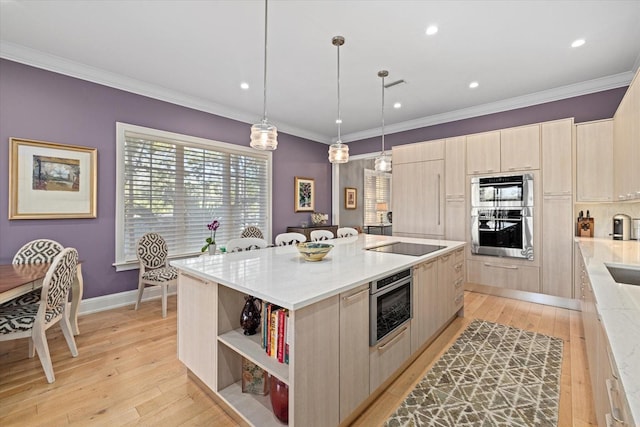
[502,216]
[390,304]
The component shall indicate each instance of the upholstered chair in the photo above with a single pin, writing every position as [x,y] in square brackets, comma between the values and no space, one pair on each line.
[318,235]
[252,231]
[32,320]
[347,232]
[154,267]
[246,244]
[35,252]
[286,239]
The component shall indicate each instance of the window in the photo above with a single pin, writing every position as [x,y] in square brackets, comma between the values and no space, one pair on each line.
[377,189]
[176,184]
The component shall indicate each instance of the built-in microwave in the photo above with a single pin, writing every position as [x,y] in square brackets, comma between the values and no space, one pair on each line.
[502,191]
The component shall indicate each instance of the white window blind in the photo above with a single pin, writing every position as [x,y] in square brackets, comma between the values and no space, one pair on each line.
[377,189]
[175,185]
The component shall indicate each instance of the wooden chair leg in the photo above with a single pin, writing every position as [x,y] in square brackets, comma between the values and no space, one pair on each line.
[42,348]
[140,290]
[164,300]
[68,335]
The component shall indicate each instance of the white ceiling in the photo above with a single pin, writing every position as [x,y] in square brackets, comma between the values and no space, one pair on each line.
[196,53]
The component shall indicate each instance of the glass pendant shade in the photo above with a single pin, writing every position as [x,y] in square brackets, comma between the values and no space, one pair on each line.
[383,163]
[264,136]
[338,153]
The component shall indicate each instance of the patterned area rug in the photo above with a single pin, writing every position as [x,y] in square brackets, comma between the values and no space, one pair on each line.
[493,375]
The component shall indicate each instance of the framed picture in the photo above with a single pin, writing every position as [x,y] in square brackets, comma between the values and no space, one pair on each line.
[350,198]
[304,189]
[49,180]
[254,379]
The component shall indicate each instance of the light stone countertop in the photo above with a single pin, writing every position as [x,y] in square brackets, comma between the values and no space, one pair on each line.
[280,275]
[619,308]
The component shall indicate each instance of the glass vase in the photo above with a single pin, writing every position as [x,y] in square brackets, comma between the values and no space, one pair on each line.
[212,249]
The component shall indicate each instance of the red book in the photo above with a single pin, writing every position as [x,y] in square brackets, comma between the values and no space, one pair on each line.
[268,331]
[281,332]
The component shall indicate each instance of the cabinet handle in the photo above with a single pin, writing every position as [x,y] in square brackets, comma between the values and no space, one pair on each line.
[457,268]
[438,199]
[509,267]
[614,411]
[458,282]
[394,339]
[351,297]
[445,258]
[458,299]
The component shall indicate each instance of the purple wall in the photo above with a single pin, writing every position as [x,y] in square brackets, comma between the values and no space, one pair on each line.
[595,106]
[41,105]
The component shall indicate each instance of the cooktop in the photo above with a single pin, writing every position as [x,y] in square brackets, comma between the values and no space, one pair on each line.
[403,248]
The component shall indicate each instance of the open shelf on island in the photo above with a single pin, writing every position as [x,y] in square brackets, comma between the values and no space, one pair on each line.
[254,408]
[249,347]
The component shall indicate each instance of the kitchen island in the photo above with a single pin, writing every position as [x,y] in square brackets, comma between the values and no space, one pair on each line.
[328,304]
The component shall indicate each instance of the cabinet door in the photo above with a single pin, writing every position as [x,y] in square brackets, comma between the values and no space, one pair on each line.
[388,355]
[425,303]
[594,146]
[418,152]
[626,149]
[454,158]
[557,246]
[520,148]
[197,328]
[456,220]
[418,198]
[504,274]
[557,165]
[483,153]
[354,349]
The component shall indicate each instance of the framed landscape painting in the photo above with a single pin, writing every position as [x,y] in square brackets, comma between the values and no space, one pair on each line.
[304,189]
[49,180]
[350,198]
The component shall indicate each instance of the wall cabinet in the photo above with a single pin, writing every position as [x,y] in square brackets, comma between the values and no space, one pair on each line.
[354,349]
[418,152]
[626,144]
[594,151]
[520,148]
[557,158]
[483,153]
[418,198]
[455,159]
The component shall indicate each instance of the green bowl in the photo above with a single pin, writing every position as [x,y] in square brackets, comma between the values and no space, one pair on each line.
[313,251]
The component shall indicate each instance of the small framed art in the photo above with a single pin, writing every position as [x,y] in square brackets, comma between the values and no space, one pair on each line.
[254,379]
[304,189]
[350,198]
[48,180]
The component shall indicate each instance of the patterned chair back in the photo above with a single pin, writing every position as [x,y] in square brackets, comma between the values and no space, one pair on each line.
[347,232]
[37,252]
[318,235]
[286,239]
[246,244]
[252,231]
[59,279]
[152,250]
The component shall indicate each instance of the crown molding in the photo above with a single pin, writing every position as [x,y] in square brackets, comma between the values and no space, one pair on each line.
[56,64]
[550,95]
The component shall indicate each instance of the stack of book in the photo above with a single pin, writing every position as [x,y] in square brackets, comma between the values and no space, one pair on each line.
[275,331]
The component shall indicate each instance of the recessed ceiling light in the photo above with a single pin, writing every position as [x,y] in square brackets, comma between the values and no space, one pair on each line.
[577,43]
[397,105]
[338,121]
[474,85]
[431,30]
[244,85]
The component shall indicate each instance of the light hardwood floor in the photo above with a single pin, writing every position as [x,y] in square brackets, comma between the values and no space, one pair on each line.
[127,371]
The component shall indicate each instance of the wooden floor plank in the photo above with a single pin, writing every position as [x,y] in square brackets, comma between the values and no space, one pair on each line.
[127,372]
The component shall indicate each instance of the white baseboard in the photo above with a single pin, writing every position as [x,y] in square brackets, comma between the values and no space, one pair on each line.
[108,302]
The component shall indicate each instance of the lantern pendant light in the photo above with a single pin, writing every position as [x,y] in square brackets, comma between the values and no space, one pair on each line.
[338,152]
[264,135]
[383,162]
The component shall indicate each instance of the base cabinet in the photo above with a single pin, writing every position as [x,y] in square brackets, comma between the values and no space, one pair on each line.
[388,355]
[504,275]
[426,303]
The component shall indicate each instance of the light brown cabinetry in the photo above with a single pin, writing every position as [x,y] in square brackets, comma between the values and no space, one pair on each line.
[557,208]
[504,275]
[451,273]
[418,152]
[483,153]
[626,144]
[426,302]
[354,349]
[520,148]
[594,151]
[455,156]
[388,355]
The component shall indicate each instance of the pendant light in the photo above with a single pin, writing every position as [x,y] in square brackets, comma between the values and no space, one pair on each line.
[383,162]
[338,152]
[264,135]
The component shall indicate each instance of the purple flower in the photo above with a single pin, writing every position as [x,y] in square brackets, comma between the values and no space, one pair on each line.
[214,225]
[211,240]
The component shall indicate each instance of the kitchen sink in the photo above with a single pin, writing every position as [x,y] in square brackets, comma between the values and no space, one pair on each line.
[625,274]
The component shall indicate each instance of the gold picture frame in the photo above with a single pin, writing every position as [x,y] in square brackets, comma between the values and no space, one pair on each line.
[48,180]
[304,194]
[350,198]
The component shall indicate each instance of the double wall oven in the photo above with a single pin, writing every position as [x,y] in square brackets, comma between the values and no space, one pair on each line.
[502,216]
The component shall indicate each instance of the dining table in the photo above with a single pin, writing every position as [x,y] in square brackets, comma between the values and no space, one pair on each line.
[19,279]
